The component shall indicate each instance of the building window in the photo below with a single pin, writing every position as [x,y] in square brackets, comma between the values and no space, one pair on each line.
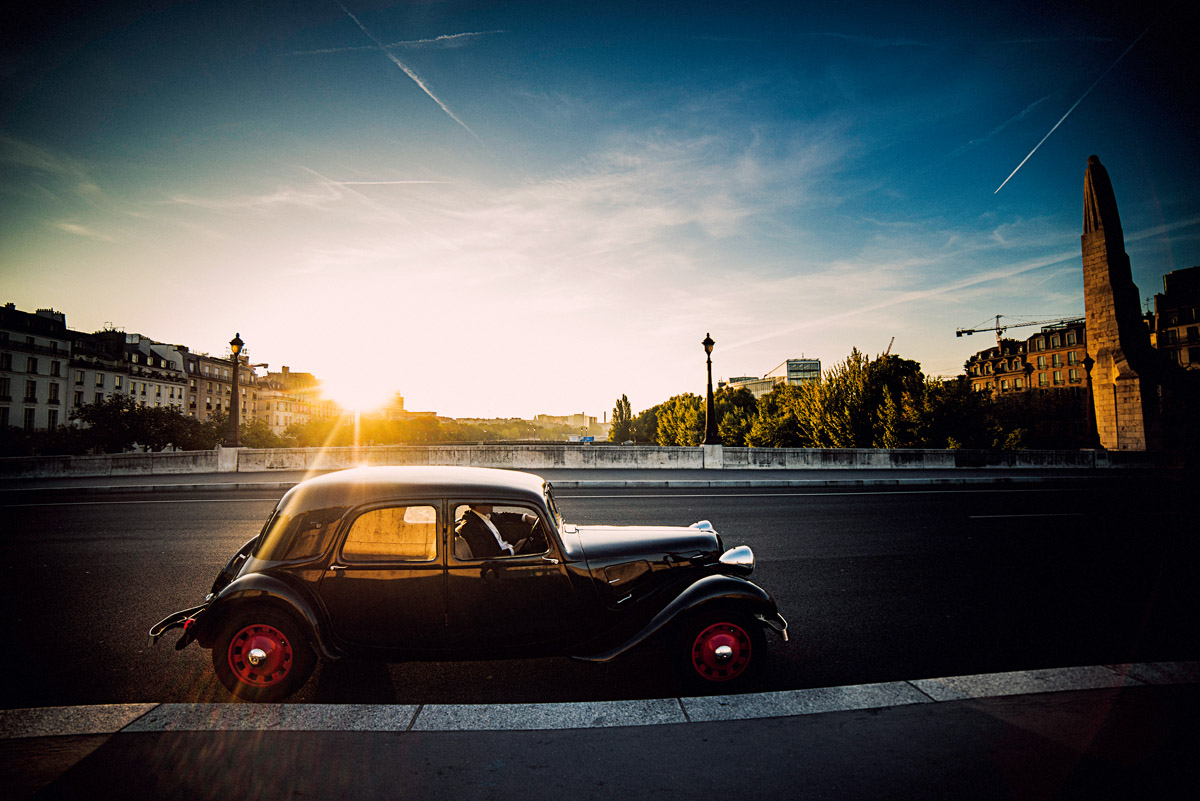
[55,367]
[5,388]
[5,361]
[1018,383]
[1070,337]
[1056,359]
[3,417]
[29,413]
[52,419]
[78,398]
[1055,341]
[1074,376]
[133,357]
[1004,385]
[1058,377]
[1040,344]
[1041,362]
[31,392]
[117,382]
[53,392]
[99,397]
[1073,357]
[30,364]
[78,376]
[1042,382]
[100,380]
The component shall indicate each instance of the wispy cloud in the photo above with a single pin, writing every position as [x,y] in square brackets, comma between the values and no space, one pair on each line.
[84,231]
[1022,114]
[409,72]
[868,41]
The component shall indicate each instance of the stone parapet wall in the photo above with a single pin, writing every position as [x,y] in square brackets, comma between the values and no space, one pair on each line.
[542,457]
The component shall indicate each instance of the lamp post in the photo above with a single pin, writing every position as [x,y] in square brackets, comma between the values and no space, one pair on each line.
[710,421]
[235,408]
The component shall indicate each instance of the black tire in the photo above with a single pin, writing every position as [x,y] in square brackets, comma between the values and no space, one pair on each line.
[284,662]
[703,667]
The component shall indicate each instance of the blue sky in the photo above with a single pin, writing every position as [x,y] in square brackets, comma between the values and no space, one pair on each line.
[517,208]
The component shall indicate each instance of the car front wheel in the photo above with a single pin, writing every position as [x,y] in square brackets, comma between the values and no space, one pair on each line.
[721,649]
[262,656]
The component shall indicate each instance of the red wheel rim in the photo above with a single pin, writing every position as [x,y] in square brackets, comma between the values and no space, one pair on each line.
[260,655]
[721,665]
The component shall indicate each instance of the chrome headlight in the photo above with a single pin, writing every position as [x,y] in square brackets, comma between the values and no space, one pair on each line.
[739,559]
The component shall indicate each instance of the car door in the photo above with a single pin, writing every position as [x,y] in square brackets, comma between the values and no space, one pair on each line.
[500,602]
[385,587]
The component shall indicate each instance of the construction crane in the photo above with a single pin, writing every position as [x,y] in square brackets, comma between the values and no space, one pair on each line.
[1000,329]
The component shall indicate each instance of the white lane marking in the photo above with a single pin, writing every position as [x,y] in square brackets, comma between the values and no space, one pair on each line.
[113,718]
[1043,514]
[856,493]
[119,503]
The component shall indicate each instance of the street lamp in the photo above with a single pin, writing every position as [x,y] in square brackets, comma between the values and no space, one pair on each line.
[235,347]
[710,418]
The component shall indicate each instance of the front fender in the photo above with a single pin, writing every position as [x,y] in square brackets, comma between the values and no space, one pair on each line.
[259,590]
[719,588]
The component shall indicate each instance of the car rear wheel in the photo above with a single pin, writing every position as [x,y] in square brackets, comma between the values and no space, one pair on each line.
[721,650]
[262,656]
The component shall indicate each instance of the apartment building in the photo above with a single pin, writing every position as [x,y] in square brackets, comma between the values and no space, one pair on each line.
[35,356]
[1050,359]
[1175,322]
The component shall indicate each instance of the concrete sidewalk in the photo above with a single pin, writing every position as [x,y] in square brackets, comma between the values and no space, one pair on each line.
[280,481]
[1089,732]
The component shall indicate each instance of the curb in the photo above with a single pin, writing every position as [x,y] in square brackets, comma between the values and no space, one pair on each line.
[110,719]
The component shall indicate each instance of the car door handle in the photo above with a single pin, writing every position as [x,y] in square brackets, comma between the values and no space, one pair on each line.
[550,560]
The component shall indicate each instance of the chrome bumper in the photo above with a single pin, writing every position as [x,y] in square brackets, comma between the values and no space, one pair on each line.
[183,619]
[778,624]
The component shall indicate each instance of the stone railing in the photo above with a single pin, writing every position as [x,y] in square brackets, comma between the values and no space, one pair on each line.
[558,456]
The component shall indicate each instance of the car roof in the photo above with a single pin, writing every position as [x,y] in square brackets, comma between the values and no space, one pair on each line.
[367,484]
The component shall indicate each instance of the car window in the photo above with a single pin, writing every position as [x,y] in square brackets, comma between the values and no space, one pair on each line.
[497,531]
[297,536]
[393,534]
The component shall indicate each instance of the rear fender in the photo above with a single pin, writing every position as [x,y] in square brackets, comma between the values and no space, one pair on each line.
[258,591]
[715,589]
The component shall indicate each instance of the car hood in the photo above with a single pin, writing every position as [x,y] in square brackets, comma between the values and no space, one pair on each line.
[606,544]
[628,562]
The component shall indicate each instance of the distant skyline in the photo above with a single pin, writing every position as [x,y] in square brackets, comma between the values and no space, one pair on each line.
[505,209]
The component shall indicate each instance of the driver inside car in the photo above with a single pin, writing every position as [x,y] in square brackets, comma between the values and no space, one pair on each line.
[482,528]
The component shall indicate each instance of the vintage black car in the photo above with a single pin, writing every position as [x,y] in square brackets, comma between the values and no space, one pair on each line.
[440,563]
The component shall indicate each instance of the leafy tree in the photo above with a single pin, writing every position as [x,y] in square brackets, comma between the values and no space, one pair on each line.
[622,421]
[681,420]
[257,434]
[734,410]
[645,425]
[776,423]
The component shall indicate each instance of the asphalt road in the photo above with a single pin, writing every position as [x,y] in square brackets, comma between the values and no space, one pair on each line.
[879,585]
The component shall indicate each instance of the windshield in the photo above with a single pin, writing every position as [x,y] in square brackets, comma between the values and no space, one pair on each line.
[553,507]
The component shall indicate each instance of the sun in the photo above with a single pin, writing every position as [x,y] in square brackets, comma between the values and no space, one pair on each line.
[357,392]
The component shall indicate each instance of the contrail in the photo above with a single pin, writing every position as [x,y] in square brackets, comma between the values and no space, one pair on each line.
[449,39]
[416,79]
[1077,102]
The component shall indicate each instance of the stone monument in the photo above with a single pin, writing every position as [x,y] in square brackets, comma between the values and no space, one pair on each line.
[1125,390]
